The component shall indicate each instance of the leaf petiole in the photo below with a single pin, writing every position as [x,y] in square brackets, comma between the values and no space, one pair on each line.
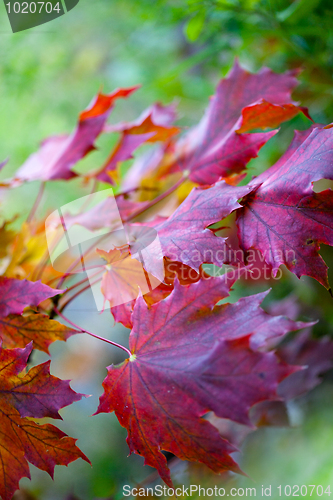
[58,313]
[37,202]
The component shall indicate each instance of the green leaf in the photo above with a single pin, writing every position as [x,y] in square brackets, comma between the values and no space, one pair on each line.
[194,26]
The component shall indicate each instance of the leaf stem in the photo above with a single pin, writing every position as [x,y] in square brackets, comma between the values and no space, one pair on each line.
[58,313]
[37,202]
[79,293]
[79,282]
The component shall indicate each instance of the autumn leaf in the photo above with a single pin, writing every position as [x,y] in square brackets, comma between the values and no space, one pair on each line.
[152,126]
[189,357]
[215,148]
[58,154]
[35,394]
[18,331]
[267,115]
[124,277]
[185,238]
[284,218]
[16,295]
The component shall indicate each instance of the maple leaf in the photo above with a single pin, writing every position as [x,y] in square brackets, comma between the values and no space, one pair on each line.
[58,154]
[124,276]
[152,126]
[284,218]
[35,394]
[188,358]
[267,115]
[18,331]
[217,146]
[16,295]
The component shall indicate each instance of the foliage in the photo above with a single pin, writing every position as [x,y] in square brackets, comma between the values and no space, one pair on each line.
[292,33]
[35,394]
[104,46]
[188,353]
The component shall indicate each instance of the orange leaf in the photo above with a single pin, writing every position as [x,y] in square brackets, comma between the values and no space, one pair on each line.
[267,115]
[18,331]
[36,394]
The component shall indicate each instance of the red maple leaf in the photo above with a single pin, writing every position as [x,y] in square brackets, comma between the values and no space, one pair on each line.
[217,146]
[284,218]
[190,357]
[59,154]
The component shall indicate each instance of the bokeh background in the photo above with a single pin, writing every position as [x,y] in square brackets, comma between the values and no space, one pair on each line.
[177,50]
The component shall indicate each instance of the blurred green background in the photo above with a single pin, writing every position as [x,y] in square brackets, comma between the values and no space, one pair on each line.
[177,50]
